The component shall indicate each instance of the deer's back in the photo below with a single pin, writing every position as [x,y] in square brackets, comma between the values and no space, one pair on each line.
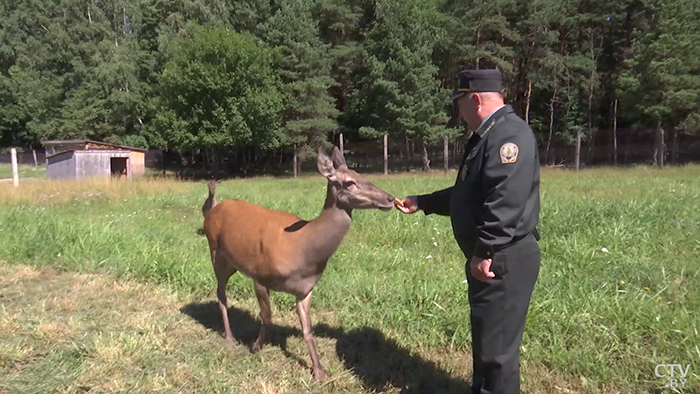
[253,238]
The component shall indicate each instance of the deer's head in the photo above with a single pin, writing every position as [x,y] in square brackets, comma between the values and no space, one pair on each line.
[212,185]
[351,189]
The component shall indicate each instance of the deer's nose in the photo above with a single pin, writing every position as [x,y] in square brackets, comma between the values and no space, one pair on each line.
[389,197]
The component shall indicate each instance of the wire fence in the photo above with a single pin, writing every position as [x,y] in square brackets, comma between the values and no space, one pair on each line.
[633,147]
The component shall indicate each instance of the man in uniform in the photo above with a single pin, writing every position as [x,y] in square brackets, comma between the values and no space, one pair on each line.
[494,209]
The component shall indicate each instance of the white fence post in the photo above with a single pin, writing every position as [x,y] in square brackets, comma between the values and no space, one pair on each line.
[15,176]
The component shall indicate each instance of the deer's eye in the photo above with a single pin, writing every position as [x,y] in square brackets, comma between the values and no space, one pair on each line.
[349,184]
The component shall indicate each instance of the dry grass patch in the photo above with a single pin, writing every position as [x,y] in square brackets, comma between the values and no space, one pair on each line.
[49,192]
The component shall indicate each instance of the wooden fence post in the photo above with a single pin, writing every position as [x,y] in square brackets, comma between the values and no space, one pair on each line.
[15,176]
[386,155]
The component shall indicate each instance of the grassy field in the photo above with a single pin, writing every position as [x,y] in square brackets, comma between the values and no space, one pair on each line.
[23,171]
[108,287]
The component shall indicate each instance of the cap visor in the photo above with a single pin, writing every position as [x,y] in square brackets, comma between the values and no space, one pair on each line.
[457,95]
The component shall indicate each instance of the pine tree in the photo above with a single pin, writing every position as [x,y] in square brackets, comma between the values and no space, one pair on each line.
[304,63]
[400,94]
[661,87]
[341,25]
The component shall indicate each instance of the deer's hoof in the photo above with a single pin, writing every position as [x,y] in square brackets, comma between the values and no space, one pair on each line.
[320,374]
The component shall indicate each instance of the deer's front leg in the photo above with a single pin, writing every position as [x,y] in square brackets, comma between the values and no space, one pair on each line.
[303,306]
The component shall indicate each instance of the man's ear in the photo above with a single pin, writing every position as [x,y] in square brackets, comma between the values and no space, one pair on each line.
[477,99]
[325,164]
[338,158]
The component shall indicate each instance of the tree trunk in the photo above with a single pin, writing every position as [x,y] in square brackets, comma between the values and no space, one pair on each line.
[578,148]
[662,147]
[591,136]
[659,146]
[478,38]
[446,153]
[426,160]
[590,115]
[340,140]
[551,126]
[386,154]
[615,133]
[409,158]
[294,162]
[674,151]
[528,95]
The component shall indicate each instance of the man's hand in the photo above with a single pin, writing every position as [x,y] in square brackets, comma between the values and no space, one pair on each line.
[407,205]
[481,269]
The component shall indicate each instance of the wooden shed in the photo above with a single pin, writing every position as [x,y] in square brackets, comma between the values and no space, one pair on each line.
[75,159]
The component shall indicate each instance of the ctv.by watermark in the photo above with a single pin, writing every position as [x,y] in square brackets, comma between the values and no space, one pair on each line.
[674,375]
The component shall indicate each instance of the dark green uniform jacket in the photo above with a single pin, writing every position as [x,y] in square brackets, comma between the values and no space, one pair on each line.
[495,200]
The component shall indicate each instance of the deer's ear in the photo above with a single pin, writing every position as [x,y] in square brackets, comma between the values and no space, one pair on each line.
[325,164]
[338,158]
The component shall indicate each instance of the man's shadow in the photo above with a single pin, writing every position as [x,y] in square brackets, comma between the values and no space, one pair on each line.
[379,362]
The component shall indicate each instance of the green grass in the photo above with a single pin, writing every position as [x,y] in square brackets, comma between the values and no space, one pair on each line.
[599,321]
[23,171]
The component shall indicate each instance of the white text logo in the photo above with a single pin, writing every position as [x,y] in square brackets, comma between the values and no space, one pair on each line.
[675,375]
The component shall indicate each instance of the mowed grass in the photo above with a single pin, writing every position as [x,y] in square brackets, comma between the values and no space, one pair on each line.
[23,171]
[618,292]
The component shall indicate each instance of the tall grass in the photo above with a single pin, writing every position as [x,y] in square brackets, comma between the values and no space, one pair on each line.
[618,292]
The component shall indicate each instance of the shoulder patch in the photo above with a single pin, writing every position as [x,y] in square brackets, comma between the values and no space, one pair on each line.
[508,152]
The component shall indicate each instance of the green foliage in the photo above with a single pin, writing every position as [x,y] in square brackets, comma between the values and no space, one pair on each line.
[304,64]
[218,89]
[399,91]
[97,69]
[661,82]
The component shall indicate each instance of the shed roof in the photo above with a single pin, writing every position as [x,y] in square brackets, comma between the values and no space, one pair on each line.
[71,142]
[112,151]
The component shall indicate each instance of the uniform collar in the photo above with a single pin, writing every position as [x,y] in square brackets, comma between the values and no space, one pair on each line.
[481,128]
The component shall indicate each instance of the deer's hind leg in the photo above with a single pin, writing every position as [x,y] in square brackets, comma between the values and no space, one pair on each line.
[263,295]
[223,272]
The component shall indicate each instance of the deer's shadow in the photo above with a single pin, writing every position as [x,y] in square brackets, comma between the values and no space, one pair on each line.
[378,361]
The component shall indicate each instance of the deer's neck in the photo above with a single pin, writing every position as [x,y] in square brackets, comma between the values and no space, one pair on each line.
[326,232]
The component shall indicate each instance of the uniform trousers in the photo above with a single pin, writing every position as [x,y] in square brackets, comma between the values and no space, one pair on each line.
[498,313]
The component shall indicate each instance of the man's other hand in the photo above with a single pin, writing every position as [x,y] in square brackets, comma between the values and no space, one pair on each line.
[481,269]
[407,205]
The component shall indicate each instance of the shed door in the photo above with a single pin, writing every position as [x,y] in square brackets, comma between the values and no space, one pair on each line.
[118,166]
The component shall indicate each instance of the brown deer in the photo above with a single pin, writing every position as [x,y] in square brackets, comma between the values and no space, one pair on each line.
[282,252]
[210,202]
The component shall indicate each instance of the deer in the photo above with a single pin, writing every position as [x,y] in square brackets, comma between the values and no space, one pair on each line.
[210,202]
[281,252]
